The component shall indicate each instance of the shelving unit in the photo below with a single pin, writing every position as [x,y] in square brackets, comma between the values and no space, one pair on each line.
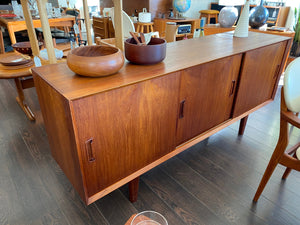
[160,26]
[277,15]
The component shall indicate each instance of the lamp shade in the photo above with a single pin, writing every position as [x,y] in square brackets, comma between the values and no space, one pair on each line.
[231,2]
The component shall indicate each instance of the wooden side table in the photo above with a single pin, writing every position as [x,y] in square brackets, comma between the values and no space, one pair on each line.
[140,27]
[23,80]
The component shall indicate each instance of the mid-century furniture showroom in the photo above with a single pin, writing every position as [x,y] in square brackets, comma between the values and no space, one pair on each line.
[106,132]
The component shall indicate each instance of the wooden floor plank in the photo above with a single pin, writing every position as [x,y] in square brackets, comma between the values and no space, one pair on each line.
[228,208]
[31,196]
[116,208]
[148,200]
[180,200]
[7,201]
[234,187]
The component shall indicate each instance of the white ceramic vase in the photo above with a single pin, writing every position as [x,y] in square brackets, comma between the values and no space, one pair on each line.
[242,27]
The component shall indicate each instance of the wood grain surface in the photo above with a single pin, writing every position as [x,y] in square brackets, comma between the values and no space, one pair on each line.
[137,141]
[259,77]
[208,91]
[180,55]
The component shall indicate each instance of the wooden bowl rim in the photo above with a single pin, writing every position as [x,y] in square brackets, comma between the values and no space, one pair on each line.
[94,46]
[128,43]
[24,44]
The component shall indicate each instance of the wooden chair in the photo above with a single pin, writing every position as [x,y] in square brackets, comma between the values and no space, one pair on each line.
[290,107]
[127,23]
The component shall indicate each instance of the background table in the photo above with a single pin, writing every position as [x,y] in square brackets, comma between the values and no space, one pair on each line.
[14,25]
[23,80]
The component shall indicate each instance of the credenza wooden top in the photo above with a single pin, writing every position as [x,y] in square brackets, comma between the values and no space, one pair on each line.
[180,55]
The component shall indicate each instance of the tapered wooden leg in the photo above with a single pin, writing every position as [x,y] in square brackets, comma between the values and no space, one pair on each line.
[276,156]
[2,48]
[21,100]
[286,173]
[134,189]
[243,123]
[288,170]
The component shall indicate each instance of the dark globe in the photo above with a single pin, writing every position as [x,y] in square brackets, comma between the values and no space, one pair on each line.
[258,16]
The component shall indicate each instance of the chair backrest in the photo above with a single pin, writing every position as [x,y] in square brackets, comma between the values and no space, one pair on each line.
[127,23]
[292,86]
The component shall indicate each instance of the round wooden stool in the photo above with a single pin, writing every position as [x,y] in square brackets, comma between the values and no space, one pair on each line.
[140,27]
[209,14]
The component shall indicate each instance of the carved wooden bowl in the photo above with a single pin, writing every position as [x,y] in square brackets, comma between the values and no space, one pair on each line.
[25,47]
[95,60]
[152,53]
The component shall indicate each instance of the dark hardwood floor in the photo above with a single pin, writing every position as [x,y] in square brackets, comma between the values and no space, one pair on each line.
[211,183]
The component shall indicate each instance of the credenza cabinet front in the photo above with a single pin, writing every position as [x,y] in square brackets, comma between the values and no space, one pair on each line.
[206,96]
[259,74]
[123,130]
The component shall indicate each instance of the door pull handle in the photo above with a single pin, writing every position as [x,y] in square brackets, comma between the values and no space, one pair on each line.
[276,72]
[232,88]
[89,150]
[181,109]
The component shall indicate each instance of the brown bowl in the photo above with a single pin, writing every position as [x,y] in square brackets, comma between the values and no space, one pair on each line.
[95,60]
[152,53]
[25,47]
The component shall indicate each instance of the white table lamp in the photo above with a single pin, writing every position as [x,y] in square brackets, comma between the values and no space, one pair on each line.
[229,13]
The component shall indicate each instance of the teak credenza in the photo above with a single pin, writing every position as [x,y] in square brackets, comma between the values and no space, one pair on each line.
[106,132]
